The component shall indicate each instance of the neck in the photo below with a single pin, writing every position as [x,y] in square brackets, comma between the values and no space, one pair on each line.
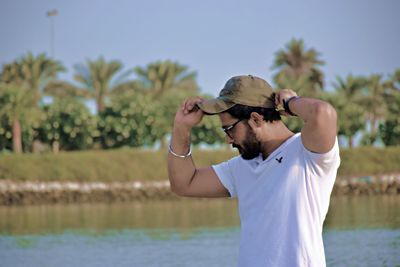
[275,139]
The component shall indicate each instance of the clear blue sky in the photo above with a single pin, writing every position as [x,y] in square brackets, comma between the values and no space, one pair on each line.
[215,38]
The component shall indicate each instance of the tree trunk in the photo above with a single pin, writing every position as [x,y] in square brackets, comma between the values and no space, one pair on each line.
[38,147]
[16,136]
[350,141]
[100,105]
[163,144]
[35,147]
[373,130]
[55,147]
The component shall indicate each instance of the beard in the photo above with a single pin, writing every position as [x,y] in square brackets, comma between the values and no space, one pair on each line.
[250,148]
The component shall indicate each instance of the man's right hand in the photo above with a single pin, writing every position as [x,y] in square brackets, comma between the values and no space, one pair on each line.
[185,178]
[189,114]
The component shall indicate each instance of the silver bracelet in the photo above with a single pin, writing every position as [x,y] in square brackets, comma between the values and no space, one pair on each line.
[177,155]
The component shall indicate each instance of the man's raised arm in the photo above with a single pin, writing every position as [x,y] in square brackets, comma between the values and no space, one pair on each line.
[184,177]
[320,119]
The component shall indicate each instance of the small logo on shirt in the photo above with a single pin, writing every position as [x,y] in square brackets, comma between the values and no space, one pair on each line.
[279,160]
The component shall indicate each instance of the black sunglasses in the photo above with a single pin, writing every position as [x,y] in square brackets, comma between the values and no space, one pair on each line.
[229,128]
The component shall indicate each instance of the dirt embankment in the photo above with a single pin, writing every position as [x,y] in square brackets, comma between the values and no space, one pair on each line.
[27,193]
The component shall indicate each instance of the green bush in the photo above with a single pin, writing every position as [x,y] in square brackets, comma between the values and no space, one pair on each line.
[139,164]
[69,122]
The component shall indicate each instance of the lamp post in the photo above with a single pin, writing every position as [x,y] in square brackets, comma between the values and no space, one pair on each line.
[51,14]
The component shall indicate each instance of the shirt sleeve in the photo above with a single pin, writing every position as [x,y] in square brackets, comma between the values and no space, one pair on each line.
[323,163]
[224,172]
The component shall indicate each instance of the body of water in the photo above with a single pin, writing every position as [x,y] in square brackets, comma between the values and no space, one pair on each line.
[358,231]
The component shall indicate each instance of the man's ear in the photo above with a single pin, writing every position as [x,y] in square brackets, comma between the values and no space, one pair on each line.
[256,120]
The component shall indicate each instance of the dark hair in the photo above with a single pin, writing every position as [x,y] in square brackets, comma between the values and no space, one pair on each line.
[244,112]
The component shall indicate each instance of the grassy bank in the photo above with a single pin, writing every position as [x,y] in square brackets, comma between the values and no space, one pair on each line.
[107,165]
[137,164]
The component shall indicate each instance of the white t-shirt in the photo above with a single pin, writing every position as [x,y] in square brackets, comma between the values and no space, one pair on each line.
[283,201]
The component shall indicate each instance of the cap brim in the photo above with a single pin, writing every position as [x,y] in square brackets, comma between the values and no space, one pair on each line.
[215,106]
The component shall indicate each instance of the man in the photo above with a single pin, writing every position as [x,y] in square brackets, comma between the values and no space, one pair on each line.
[282,180]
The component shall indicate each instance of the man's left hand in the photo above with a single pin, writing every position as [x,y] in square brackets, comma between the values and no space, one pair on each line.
[280,97]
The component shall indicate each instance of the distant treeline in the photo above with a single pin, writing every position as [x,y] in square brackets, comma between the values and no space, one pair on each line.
[136,106]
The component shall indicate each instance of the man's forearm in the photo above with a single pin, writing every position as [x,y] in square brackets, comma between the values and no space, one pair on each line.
[180,170]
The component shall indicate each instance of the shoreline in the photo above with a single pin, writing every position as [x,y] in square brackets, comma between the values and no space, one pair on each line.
[41,192]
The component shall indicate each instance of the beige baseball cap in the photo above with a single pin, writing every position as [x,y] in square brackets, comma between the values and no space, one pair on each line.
[245,90]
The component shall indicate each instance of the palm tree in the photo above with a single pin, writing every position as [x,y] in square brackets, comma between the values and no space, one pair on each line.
[347,100]
[32,73]
[394,82]
[35,72]
[168,82]
[389,130]
[374,101]
[294,62]
[97,79]
[396,78]
[161,77]
[16,105]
